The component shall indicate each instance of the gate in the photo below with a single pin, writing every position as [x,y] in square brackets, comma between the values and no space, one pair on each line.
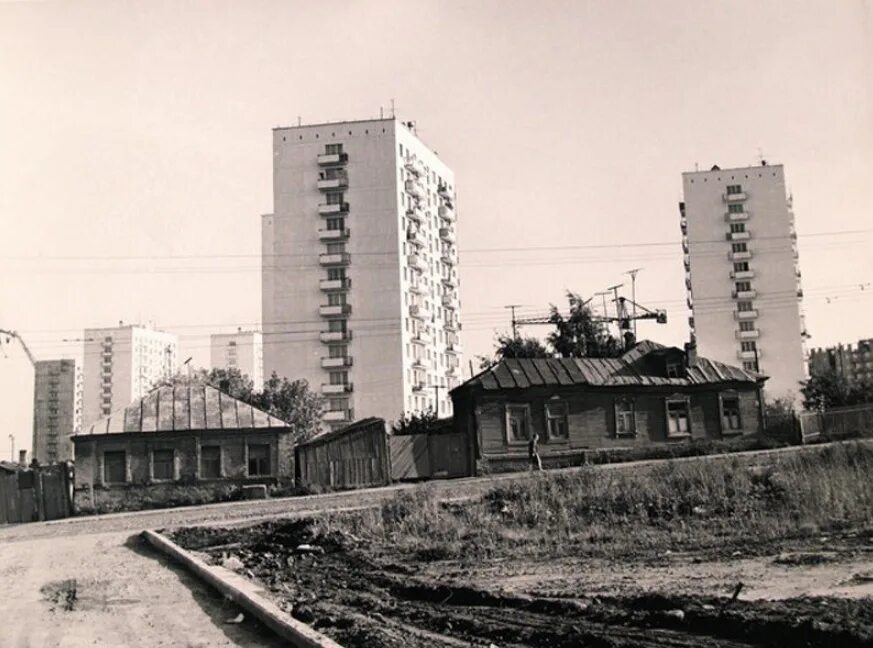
[35,494]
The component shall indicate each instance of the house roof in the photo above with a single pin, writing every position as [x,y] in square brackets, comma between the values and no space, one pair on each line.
[629,369]
[184,407]
[324,437]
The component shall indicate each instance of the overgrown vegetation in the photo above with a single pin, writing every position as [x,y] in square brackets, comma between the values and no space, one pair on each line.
[715,505]
[828,390]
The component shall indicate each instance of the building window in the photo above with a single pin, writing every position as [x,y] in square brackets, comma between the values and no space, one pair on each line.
[517,423]
[730,413]
[739,247]
[334,197]
[335,274]
[743,286]
[735,208]
[674,369]
[337,326]
[744,305]
[741,266]
[748,346]
[333,149]
[337,351]
[259,460]
[747,326]
[115,467]
[557,425]
[339,377]
[210,462]
[749,366]
[163,465]
[336,299]
[678,419]
[336,248]
[734,189]
[336,224]
[738,227]
[625,419]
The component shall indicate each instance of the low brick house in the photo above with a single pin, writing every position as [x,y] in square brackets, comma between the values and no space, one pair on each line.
[650,395]
[182,444]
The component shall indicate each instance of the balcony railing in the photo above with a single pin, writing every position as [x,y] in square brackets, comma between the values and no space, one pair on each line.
[739,256]
[336,416]
[334,234]
[448,300]
[334,310]
[443,191]
[454,348]
[736,217]
[416,311]
[749,355]
[451,325]
[445,211]
[340,258]
[415,236]
[336,363]
[335,284]
[448,259]
[336,389]
[416,288]
[738,236]
[335,336]
[415,262]
[414,165]
[447,234]
[414,188]
[421,338]
[748,335]
[332,159]
[414,214]
[336,182]
[734,197]
[745,294]
[742,274]
[332,209]
[746,315]
[419,386]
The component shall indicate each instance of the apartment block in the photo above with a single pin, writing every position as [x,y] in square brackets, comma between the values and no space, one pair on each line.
[57,409]
[742,274]
[360,269]
[854,363]
[121,364]
[243,350]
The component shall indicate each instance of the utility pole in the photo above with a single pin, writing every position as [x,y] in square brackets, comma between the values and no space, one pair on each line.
[614,290]
[512,308]
[633,276]
[603,294]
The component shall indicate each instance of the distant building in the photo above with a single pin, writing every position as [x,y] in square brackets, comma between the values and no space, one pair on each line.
[179,445]
[57,409]
[122,364]
[742,272]
[360,269]
[243,350]
[650,395]
[854,363]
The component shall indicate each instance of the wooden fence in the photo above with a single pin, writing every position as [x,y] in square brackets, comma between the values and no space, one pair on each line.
[35,494]
[837,423]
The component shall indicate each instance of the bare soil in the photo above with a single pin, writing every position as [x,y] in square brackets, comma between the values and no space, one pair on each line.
[367,595]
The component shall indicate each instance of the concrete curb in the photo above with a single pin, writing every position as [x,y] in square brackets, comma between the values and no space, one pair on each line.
[245,594]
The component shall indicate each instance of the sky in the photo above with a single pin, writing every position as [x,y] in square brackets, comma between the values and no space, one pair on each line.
[135,150]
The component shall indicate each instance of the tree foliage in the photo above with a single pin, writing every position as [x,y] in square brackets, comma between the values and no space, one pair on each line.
[416,423]
[827,390]
[520,347]
[579,335]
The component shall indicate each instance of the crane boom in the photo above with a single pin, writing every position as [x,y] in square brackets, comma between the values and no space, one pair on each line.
[13,334]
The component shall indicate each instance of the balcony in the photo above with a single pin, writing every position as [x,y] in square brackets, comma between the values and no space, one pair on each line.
[335,336]
[340,258]
[332,159]
[745,294]
[454,348]
[447,234]
[448,259]
[335,182]
[742,274]
[738,236]
[333,234]
[414,165]
[334,310]
[414,188]
[686,259]
[739,256]
[421,338]
[416,311]
[418,363]
[746,315]
[734,197]
[415,262]
[418,387]
[748,335]
[452,371]
[414,214]
[443,191]
[445,211]
[736,217]
[448,300]
[749,355]
[415,236]
[336,416]
[448,281]
[336,363]
[685,246]
[683,225]
[332,209]
[336,389]
[335,284]
[451,325]
[416,288]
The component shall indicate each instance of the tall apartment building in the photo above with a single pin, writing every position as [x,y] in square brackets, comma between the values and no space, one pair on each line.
[57,409]
[360,276]
[852,362]
[742,273]
[243,350]
[121,364]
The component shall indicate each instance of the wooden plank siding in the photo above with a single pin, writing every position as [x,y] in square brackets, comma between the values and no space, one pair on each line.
[355,457]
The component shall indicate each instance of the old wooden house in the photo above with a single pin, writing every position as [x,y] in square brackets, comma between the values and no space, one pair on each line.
[650,395]
[179,444]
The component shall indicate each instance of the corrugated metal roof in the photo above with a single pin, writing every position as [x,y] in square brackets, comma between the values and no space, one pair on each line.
[184,407]
[631,369]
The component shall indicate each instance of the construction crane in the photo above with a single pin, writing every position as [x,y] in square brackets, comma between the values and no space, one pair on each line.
[12,334]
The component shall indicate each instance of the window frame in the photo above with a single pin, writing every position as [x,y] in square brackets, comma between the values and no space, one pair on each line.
[201,472]
[507,415]
[677,399]
[563,417]
[105,474]
[727,430]
[269,459]
[624,405]
[152,474]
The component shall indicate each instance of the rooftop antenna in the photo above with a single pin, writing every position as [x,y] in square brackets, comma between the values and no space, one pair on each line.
[614,290]
[381,112]
[512,308]
[633,276]
[392,107]
[299,120]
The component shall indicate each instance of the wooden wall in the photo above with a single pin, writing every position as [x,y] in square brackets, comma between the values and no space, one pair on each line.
[355,458]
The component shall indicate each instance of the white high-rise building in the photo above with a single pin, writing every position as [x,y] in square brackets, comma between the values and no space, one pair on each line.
[121,364]
[360,269]
[742,272]
[243,350]
[57,409]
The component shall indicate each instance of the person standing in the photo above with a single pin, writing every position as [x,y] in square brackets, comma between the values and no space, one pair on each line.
[533,451]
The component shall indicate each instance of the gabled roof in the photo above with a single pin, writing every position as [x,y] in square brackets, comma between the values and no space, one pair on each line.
[630,369]
[184,407]
[340,432]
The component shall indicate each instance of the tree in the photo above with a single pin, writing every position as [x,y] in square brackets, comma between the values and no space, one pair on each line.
[519,347]
[294,403]
[579,335]
[418,423]
[826,390]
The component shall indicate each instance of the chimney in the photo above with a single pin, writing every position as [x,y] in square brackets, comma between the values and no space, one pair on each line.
[22,457]
[690,354]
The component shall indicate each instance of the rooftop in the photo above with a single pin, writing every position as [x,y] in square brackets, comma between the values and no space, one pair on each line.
[741,168]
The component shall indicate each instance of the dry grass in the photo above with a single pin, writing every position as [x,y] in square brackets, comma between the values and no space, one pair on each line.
[699,505]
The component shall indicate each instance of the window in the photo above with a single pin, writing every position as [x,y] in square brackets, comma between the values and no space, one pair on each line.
[738,227]
[674,369]
[333,149]
[557,426]
[517,423]
[210,462]
[741,266]
[334,197]
[163,464]
[749,366]
[259,460]
[337,326]
[335,274]
[739,247]
[339,377]
[625,420]
[748,346]
[678,423]
[735,208]
[744,305]
[734,189]
[338,351]
[115,467]
[743,286]
[336,299]
[747,326]
[730,413]
[337,404]
[336,224]
[336,248]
